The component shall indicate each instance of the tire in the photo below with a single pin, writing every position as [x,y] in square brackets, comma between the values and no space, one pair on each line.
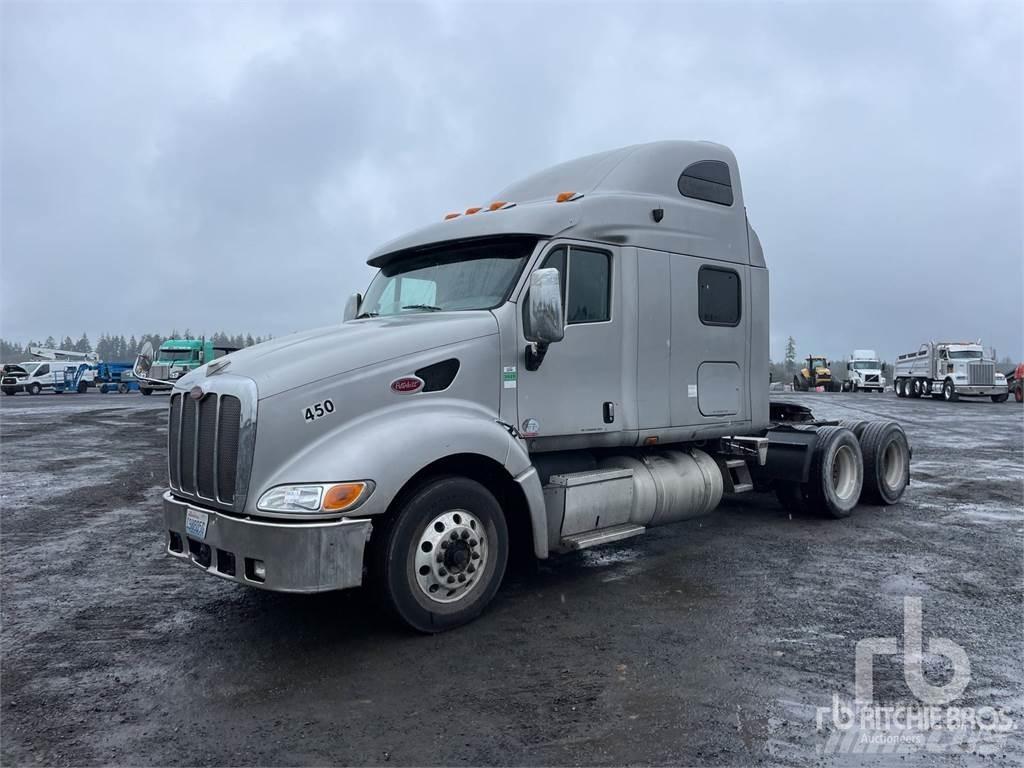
[853,386]
[949,393]
[122,389]
[414,584]
[854,425]
[9,391]
[886,462]
[837,473]
[797,385]
[915,388]
[146,391]
[1018,392]
[83,387]
[103,389]
[901,388]
[34,388]
[1001,398]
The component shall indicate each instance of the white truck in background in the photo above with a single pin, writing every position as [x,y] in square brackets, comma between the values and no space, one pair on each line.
[949,370]
[864,372]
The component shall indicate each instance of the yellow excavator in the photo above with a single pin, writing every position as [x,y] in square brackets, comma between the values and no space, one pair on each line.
[815,373]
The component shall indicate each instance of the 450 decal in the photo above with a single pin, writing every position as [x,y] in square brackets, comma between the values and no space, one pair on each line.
[318,410]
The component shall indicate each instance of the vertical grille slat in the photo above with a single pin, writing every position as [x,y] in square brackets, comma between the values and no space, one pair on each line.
[983,374]
[205,444]
[188,445]
[227,446]
[174,441]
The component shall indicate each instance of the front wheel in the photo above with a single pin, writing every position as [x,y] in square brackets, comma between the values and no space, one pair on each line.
[9,390]
[122,388]
[443,557]
[146,391]
[949,393]
[1018,393]
[1001,398]
[34,388]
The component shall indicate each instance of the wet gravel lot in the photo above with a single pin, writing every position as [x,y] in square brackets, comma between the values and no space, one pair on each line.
[709,642]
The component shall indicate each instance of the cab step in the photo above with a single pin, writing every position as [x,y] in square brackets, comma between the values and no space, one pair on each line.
[589,539]
[738,476]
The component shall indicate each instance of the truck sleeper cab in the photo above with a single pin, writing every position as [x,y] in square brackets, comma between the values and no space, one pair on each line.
[563,366]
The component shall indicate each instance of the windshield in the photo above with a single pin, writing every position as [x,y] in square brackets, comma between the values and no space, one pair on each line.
[965,354]
[866,365]
[174,355]
[819,362]
[450,277]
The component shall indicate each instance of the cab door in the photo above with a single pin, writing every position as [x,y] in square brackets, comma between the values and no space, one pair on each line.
[574,398]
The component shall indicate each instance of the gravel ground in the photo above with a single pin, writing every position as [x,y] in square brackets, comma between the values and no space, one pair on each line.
[709,642]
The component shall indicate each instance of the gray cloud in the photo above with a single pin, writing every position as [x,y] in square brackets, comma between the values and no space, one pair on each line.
[230,166]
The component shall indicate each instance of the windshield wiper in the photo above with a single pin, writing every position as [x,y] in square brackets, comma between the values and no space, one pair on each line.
[427,307]
[364,315]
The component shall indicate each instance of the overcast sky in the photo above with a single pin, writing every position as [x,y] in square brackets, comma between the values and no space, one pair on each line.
[230,166]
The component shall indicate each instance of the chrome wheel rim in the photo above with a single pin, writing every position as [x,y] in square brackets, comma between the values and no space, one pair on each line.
[844,473]
[451,556]
[893,462]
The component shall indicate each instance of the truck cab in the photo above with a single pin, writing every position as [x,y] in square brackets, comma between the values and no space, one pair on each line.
[864,372]
[563,365]
[174,359]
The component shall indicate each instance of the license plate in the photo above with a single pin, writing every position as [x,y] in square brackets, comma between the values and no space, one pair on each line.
[195,524]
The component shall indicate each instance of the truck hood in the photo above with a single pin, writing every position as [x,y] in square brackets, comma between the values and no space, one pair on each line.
[301,358]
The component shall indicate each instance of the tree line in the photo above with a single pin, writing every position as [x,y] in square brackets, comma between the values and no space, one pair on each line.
[118,348]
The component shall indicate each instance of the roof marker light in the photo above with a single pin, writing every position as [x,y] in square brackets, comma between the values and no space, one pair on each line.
[496,205]
[564,197]
[471,211]
[452,216]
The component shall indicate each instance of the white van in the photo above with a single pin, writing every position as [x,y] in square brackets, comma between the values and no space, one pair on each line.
[47,375]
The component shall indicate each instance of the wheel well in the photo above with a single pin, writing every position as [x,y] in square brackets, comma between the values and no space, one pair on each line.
[495,478]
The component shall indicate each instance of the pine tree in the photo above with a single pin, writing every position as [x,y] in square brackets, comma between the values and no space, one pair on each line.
[790,359]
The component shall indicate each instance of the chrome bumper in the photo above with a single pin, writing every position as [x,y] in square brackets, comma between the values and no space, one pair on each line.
[296,557]
[975,390]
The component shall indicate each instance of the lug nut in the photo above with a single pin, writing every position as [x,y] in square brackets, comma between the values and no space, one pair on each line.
[472,542]
[465,535]
[451,579]
[442,572]
[444,545]
[475,555]
[455,536]
[440,558]
[462,577]
[471,568]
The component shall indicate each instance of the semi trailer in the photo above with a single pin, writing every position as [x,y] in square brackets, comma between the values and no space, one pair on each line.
[563,366]
[948,371]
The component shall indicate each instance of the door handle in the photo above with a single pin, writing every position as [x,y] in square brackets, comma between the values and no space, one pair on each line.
[609,412]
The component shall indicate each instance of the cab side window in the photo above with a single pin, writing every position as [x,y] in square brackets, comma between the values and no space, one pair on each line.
[586,280]
[42,370]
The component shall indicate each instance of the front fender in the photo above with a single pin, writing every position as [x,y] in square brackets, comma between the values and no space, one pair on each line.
[389,446]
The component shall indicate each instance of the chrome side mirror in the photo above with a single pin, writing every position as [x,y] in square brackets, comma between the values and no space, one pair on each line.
[544,309]
[352,307]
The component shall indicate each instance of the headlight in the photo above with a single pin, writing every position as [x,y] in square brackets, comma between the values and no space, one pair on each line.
[1000,377]
[175,374]
[328,497]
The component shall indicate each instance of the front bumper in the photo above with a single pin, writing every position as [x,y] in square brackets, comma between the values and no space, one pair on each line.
[980,390]
[317,556]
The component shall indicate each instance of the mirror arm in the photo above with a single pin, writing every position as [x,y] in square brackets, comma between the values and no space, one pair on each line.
[535,352]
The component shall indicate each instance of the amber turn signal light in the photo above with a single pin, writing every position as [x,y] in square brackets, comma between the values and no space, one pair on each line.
[342,496]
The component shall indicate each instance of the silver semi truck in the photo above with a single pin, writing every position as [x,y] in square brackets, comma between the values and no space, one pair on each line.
[563,366]
[948,370]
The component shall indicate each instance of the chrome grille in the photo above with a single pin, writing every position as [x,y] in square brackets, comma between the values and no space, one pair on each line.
[203,446]
[983,374]
[159,372]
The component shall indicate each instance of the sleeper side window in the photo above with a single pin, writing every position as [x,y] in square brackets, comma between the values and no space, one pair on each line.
[718,296]
[707,180]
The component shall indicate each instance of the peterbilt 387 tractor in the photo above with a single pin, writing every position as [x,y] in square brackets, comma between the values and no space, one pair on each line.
[564,365]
